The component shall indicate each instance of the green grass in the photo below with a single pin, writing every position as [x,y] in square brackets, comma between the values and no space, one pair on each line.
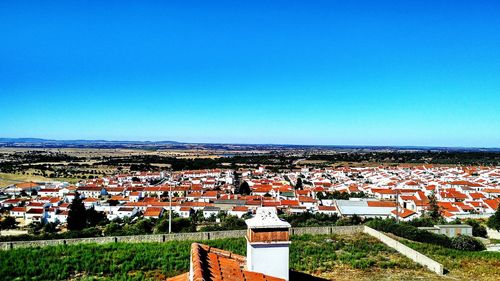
[317,254]
[328,256]
[464,265]
[120,261]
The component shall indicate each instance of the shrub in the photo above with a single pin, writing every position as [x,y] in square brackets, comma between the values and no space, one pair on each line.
[467,243]
[409,232]
[477,229]
[494,221]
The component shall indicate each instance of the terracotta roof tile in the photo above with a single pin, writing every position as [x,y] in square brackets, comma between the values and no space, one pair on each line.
[210,264]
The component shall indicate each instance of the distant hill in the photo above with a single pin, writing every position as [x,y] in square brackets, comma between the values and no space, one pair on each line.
[50,143]
[33,140]
[168,144]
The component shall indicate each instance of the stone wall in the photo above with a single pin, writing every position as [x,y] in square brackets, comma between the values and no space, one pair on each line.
[192,236]
[326,230]
[417,257]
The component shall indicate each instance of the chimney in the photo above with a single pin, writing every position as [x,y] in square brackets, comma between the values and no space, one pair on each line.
[268,243]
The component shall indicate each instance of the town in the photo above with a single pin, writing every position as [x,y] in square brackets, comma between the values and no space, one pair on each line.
[250,140]
[401,192]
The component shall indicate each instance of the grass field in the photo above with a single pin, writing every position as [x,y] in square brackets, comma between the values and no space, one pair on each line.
[7,179]
[121,152]
[356,257]
[462,265]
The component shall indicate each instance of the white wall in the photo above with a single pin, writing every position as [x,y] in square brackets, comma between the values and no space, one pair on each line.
[269,258]
[406,251]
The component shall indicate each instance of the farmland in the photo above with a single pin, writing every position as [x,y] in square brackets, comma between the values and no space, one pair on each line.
[327,256]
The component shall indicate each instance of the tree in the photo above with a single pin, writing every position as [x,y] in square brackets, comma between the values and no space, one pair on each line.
[50,227]
[94,217]
[178,225]
[8,223]
[140,227]
[494,221]
[34,228]
[77,215]
[433,207]
[299,185]
[244,189]
[477,229]
[113,228]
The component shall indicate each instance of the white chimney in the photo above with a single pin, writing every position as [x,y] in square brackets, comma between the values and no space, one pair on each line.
[268,243]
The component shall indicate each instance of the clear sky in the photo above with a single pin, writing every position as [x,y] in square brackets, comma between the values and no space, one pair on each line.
[295,72]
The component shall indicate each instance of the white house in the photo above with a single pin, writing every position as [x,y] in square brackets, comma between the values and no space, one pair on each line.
[209,211]
[238,211]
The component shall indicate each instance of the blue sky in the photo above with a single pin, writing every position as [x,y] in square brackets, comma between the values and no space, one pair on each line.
[296,72]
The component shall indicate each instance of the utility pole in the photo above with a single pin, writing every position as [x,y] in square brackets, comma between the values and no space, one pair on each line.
[170,210]
[397,205]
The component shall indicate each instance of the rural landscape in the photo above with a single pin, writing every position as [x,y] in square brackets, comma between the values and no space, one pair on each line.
[97,192]
[250,140]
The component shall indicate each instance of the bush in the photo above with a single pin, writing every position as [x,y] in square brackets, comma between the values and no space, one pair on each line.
[409,232]
[467,243]
[494,221]
[477,229]
[309,219]
[351,220]
[460,242]
[422,221]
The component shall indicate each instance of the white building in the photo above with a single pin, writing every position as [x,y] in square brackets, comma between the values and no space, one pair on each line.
[450,230]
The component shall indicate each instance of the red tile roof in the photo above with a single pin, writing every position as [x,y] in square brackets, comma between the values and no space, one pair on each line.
[327,208]
[492,203]
[381,204]
[476,195]
[383,191]
[25,185]
[210,264]
[289,203]
[465,183]
[153,212]
[491,190]
[240,209]
[403,213]
[448,206]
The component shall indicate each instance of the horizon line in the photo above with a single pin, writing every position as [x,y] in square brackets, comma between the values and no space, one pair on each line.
[236,143]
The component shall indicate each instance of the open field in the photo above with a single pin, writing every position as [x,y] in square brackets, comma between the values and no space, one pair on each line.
[7,179]
[122,152]
[357,257]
